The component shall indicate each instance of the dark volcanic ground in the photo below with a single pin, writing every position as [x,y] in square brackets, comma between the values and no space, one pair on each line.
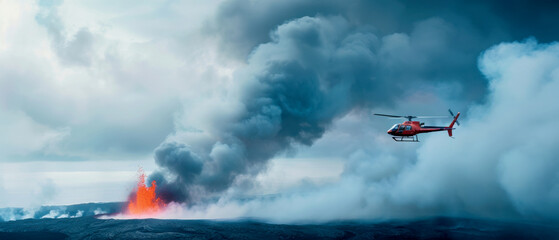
[435,228]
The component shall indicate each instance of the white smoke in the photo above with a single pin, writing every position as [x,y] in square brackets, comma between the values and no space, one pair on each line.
[52,214]
[99,211]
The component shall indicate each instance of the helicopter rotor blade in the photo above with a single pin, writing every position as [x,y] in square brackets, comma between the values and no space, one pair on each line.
[431,117]
[387,115]
[410,117]
[397,116]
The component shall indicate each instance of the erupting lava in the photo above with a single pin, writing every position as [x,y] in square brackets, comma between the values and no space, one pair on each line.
[144,201]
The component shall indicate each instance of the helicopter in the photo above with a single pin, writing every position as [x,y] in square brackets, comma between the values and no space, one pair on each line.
[408,130]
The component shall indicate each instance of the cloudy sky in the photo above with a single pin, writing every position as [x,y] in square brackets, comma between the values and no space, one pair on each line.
[272,101]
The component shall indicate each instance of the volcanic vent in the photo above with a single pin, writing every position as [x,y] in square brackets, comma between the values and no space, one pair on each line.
[144,202]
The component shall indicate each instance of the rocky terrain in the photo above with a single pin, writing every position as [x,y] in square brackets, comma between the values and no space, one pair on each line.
[434,228]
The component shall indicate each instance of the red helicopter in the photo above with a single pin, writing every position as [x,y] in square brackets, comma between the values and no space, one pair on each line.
[408,130]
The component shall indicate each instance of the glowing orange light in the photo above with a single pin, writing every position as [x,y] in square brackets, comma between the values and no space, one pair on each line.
[144,201]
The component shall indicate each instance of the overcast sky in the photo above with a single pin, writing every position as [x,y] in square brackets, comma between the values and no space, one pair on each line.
[233,98]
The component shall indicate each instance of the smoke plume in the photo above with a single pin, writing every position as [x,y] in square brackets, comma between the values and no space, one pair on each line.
[495,168]
[303,73]
[313,71]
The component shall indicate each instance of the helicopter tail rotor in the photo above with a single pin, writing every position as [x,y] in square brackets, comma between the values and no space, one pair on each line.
[452,114]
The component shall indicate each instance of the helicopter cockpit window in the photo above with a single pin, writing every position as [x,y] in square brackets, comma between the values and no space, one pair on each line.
[401,128]
[395,127]
[408,128]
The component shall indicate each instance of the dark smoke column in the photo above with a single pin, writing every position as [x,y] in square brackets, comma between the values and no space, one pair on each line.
[313,71]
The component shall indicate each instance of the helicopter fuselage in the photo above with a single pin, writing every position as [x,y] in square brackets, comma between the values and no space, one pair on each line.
[410,128]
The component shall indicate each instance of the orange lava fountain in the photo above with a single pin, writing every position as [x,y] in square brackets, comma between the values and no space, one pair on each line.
[144,201]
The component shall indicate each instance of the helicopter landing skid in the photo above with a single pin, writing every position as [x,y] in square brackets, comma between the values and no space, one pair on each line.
[413,138]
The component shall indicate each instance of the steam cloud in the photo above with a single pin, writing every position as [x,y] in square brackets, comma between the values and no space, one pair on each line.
[314,70]
[69,211]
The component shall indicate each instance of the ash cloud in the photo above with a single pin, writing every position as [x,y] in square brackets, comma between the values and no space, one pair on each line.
[241,25]
[488,171]
[308,68]
[318,71]
[444,51]
[314,71]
